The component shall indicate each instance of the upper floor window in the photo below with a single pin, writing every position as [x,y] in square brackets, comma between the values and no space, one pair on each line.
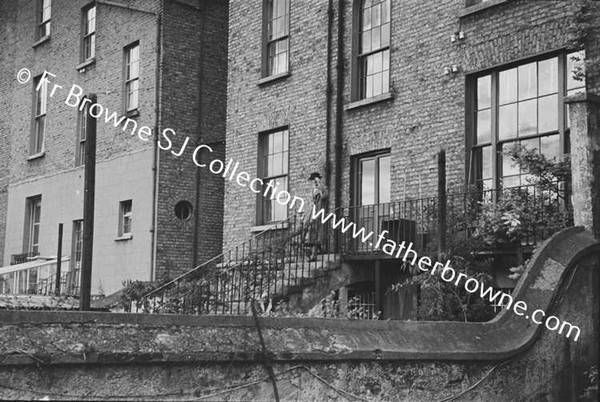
[373,53]
[521,105]
[36,145]
[82,126]
[43,18]
[32,225]
[125,218]
[132,76]
[273,170]
[88,48]
[277,38]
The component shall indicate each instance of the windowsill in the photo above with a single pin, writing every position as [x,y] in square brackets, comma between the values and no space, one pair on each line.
[132,113]
[368,101]
[479,7]
[41,40]
[125,237]
[36,156]
[262,228]
[272,78]
[82,66]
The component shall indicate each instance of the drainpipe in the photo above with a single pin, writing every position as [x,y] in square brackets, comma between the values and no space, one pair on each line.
[200,99]
[328,95]
[339,106]
[156,151]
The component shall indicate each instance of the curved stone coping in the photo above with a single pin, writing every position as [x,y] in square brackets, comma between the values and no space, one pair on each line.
[160,338]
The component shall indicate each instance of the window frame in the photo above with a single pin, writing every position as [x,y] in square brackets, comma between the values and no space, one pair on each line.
[473,174]
[41,23]
[39,116]
[88,36]
[81,135]
[262,166]
[77,244]
[31,211]
[268,10]
[356,175]
[127,80]
[357,91]
[125,216]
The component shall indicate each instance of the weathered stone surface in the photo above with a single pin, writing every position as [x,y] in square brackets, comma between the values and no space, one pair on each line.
[165,356]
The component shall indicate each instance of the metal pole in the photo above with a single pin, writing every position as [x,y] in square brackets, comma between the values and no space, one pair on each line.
[88,210]
[59,258]
[442,202]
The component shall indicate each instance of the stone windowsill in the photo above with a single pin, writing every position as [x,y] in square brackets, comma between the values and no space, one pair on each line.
[262,228]
[82,66]
[124,237]
[132,113]
[36,156]
[368,101]
[480,7]
[273,78]
[41,40]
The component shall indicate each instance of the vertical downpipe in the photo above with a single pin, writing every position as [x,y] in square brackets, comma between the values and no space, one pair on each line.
[200,100]
[155,157]
[339,113]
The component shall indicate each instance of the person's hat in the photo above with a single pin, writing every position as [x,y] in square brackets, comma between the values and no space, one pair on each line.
[314,175]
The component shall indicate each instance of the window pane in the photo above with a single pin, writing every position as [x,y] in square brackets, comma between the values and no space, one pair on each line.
[509,167]
[376,15]
[366,42]
[511,181]
[484,90]
[277,164]
[377,84]
[484,126]
[385,11]
[91,20]
[385,86]
[376,38]
[384,180]
[528,81]
[385,35]
[548,113]
[531,144]
[528,117]
[548,80]
[550,146]
[486,163]
[367,184]
[508,86]
[369,89]
[366,19]
[507,125]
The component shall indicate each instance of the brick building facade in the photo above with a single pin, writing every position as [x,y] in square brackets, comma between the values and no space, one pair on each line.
[160,64]
[368,93]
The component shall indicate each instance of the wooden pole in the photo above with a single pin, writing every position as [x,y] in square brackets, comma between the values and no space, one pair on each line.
[88,210]
[442,202]
[59,258]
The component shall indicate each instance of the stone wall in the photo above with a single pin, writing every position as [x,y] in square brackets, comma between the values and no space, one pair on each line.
[100,355]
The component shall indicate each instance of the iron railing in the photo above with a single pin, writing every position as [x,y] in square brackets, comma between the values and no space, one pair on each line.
[273,264]
[527,215]
[266,268]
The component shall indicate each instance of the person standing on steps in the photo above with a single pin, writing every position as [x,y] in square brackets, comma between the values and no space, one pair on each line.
[314,227]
